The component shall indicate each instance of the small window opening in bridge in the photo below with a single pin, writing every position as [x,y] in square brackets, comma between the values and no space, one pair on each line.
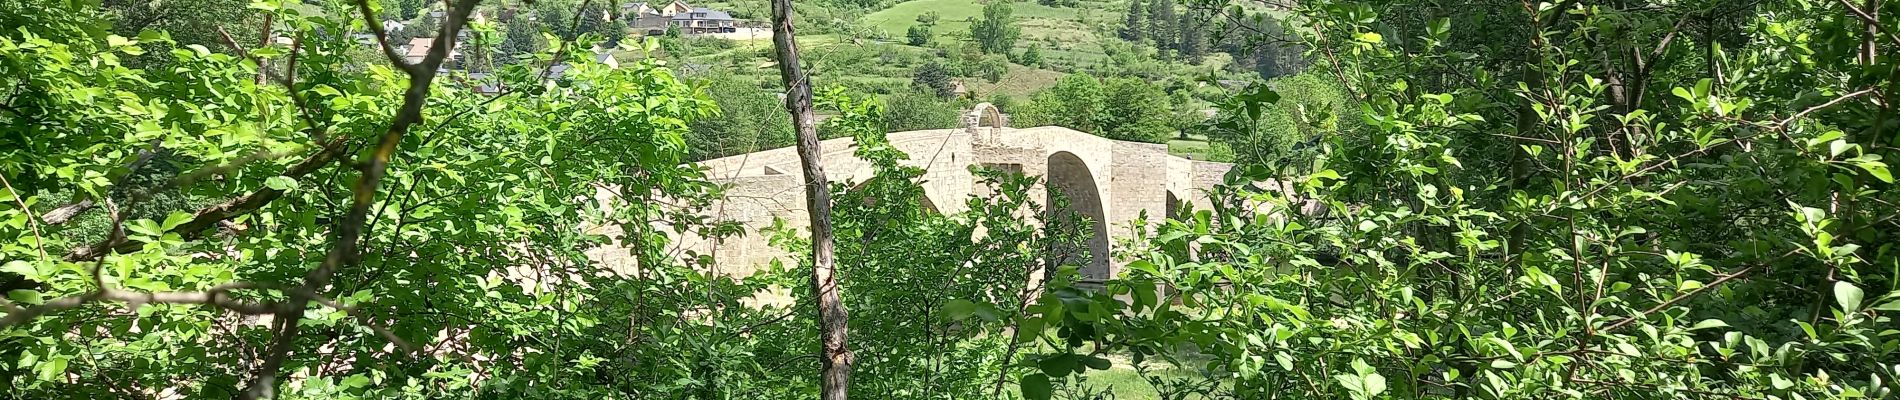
[1005,167]
[772,171]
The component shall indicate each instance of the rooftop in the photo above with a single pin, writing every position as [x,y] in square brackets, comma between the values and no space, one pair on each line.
[703,13]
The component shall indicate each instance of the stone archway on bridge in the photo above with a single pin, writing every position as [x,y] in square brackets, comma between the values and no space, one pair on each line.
[1076,220]
[984,122]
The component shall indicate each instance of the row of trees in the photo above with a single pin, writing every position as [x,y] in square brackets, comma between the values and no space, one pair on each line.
[1182,34]
[1123,108]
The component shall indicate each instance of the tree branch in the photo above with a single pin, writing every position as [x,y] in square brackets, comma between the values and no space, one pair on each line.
[1652,310]
[344,251]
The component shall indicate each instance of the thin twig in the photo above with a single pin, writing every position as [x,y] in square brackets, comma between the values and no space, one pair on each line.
[1685,296]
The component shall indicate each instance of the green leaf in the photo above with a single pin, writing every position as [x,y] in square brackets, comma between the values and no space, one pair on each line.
[1878,170]
[355,381]
[1058,365]
[1371,37]
[174,220]
[1848,295]
[280,182]
[1890,306]
[1144,296]
[1036,387]
[1439,26]
[1683,93]
[25,296]
[959,309]
[1094,362]
[1709,323]
[22,268]
[1029,330]
[1375,384]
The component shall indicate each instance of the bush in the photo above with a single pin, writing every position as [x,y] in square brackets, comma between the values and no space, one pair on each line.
[911,110]
[749,119]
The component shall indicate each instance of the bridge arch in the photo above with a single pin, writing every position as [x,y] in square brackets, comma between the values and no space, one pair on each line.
[1076,218]
[988,116]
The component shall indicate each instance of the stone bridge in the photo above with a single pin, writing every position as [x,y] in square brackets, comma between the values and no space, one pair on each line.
[1108,181]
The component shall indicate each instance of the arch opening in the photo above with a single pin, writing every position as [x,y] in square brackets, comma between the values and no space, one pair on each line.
[989,117]
[1173,206]
[1075,221]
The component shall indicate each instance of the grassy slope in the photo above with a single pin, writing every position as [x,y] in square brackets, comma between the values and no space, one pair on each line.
[1064,34]
[1020,82]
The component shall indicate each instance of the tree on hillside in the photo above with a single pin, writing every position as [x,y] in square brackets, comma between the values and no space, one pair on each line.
[1032,56]
[1161,24]
[1193,44]
[593,19]
[1134,25]
[918,35]
[556,17]
[928,18]
[523,37]
[993,67]
[410,8]
[425,26]
[1140,111]
[912,110]
[933,78]
[1075,102]
[614,31]
[996,33]
[1274,52]
[749,119]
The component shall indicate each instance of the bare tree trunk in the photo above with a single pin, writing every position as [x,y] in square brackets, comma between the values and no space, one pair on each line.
[832,325]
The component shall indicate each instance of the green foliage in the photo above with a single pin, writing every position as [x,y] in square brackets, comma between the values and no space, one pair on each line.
[749,119]
[1192,45]
[933,78]
[1281,125]
[409,9]
[996,32]
[477,252]
[1134,26]
[188,22]
[425,27]
[593,19]
[918,35]
[1117,108]
[911,110]
[1076,102]
[1162,28]
[556,17]
[1532,228]
[1138,111]
[523,37]
[613,32]
[1031,57]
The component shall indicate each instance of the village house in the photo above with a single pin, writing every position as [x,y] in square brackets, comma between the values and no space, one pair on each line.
[651,19]
[705,20]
